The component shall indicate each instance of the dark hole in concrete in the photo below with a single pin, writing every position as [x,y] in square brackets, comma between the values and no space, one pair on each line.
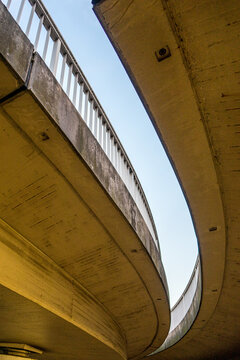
[44,136]
[214,228]
[162,51]
[133,250]
[214,290]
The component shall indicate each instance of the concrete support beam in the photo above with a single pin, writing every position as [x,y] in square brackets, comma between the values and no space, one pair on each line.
[62,194]
[28,272]
[192,98]
[167,94]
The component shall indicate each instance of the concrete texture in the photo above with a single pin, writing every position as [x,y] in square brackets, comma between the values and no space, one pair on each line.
[28,275]
[17,49]
[60,193]
[192,98]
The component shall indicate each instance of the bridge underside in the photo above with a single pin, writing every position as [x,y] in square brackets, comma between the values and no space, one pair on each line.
[80,275]
[192,97]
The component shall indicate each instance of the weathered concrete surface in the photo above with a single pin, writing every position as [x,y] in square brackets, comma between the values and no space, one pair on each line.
[15,47]
[193,100]
[60,191]
[34,276]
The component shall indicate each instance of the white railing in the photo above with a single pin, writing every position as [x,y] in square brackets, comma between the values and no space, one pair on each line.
[185,310]
[180,309]
[37,24]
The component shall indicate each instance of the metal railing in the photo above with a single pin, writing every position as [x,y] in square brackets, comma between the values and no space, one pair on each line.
[185,310]
[33,18]
[180,309]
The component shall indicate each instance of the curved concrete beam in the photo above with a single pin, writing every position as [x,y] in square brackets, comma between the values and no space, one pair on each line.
[31,274]
[137,30]
[71,204]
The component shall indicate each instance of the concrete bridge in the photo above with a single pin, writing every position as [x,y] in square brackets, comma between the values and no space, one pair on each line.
[81,275]
[183,58]
[74,219]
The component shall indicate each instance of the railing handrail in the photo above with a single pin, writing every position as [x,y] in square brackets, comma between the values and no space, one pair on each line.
[55,35]
[181,324]
[188,284]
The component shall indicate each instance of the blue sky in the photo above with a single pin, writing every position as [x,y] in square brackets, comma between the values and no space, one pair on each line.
[106,75]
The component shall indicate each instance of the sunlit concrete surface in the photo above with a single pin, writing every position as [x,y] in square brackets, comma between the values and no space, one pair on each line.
[80,274]
[192,97]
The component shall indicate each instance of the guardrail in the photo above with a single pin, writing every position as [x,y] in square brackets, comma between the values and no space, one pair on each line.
[184,312]
[33,18]
[180,309]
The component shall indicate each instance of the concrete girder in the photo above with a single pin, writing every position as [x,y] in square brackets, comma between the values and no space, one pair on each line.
[192,99]
[60,193]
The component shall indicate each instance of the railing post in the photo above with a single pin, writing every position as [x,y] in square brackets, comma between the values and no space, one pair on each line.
[104,140]
[75,89]
[96,123]
[55,56]
[38,32]
[63,69]
[85,117]
[46,43]
[20,11]
[80,103]
[91,116]
[30,19]
[69,79]
[9,3]
[100,125]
